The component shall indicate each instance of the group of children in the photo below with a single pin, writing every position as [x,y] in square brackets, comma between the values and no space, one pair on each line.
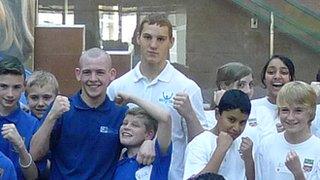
[88,136]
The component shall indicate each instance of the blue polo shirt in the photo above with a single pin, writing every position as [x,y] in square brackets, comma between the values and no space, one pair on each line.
[85,141]
[7,171]
[127,167]
[26,125]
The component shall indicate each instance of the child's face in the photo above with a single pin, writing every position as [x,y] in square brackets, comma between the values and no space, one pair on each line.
[295,119]
[133,132]
[232,122]
[277,74]
[245,84]
[39,98]
[11,87]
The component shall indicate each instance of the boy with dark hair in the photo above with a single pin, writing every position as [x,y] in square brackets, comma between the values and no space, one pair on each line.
[140,124]
[17,126]
[220,150]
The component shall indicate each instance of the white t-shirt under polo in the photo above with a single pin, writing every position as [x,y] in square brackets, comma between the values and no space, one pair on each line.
[271,156]
[161,90]
[199,152]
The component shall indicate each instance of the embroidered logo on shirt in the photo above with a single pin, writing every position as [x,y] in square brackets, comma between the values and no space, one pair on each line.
[308,165]
[104,129]
[166,97]
[253,122]
[144,173]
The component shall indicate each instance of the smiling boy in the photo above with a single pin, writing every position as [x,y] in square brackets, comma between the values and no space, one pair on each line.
[295,152]
[140,124]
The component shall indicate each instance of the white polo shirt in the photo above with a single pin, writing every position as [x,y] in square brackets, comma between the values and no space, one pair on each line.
[161,90]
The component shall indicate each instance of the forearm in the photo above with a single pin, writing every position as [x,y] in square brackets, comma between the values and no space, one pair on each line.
[249,169]
[299,176]
[215,161]
[41,139]
[28,167]
[156,111]
[193,125]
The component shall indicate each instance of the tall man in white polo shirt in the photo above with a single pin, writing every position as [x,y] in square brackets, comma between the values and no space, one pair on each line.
[155,79]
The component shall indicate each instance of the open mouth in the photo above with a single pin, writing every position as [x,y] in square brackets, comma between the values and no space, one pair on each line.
[125,134]
[277,85]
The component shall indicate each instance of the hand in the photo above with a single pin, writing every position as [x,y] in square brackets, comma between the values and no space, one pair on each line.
[123,98]
[224,141]
[147,153]
[182,104]
[61,105]
[218,95]
[293,164]
[279,127]
[246,148]
[10,132]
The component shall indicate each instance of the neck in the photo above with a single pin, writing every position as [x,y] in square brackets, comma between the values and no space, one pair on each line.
[215,131]
[272,99]
[93,103]
[151,71]
[132,151]
[6,111]
[296,138]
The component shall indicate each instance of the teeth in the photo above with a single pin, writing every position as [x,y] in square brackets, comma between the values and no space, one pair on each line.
[277,84]
[126,134]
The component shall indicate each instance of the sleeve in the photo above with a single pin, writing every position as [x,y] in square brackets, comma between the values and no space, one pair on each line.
[196,157]
[197,104]
[111,91]
[56,133]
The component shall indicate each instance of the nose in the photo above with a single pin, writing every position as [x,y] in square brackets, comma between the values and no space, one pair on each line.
[93,76]
[41,102]
[277,75]
[236,128]
[153,43]
[10,93]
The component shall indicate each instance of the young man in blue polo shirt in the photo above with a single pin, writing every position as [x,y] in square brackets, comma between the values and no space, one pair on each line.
[82,132]
[140,124]
[17,127]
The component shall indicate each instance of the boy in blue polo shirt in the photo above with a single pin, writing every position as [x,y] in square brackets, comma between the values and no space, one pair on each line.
[17,127]
[140,124]
[82,132]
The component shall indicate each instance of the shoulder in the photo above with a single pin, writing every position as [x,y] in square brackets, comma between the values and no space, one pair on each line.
[204,140]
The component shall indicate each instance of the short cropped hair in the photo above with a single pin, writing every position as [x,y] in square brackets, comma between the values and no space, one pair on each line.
[208,176]
[148,121]
[300,93]
[42,78]
[232,72]
[286,61]
[158,19]
[234,99]
[11,65]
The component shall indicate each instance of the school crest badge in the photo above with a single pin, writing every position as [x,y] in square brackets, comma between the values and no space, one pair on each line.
[308,165]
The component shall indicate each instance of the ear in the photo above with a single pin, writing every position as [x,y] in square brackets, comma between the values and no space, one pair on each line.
[171,42]
[138,39]
[217,114]
[77,72]
[223,86]
[113,74]
[149,135]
